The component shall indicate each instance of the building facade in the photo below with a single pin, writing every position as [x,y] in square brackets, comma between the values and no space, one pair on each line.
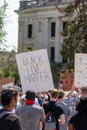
[40,24]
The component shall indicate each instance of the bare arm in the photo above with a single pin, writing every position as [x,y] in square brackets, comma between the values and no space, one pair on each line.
[62,119]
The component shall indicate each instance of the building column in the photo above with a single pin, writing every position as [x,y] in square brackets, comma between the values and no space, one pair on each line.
[21,35]
[45,35]
[58,40]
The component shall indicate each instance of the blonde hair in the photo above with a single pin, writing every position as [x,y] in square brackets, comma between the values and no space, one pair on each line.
[54,93]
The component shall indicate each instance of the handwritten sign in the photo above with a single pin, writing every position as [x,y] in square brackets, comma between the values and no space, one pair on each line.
[80,70]
[67,76]
[34,70]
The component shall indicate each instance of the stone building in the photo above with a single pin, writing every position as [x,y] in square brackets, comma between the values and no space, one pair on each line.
[40,24]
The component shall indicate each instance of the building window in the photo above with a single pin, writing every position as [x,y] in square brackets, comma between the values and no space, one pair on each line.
[52,53]
[29,48]
[64,60]
[64,25]
[30,31]
[53,29]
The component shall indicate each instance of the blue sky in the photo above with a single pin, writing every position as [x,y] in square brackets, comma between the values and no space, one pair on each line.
[12,24]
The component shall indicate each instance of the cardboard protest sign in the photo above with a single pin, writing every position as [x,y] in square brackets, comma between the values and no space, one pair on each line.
[67,77]
[80,70]
[34,70]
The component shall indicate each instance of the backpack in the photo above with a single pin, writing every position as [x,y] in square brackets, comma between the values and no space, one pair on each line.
[49,122]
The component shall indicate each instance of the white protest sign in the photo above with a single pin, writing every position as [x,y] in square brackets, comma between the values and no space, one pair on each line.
[7,85]
[34,70]
[80,77]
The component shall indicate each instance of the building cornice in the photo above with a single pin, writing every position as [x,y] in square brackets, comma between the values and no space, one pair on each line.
[40,9]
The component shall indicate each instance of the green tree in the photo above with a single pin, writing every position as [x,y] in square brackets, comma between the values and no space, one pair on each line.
[75,31]
[3,8]
[8,65]
[55,69]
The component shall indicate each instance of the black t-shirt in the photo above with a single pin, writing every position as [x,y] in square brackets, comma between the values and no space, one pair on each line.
[55,109]
[9,121]
[79,122]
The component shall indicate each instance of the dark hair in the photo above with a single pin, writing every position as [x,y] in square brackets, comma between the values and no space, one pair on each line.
[60,94]
[84,89]
[7,94]
[30,95]
[82,106]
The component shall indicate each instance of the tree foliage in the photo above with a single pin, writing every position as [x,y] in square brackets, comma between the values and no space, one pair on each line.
[75,31]
[55,69]
[8,65]
[2,21]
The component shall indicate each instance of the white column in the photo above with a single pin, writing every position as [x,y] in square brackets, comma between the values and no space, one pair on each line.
[21,35]
[58,39]
[45,35]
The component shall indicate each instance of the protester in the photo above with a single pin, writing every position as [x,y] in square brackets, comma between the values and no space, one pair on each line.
[79,120]
[67,111]
[53,106]
[31,114]
[8,120]
[71,99]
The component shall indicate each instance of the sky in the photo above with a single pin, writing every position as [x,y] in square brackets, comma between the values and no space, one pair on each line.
[12,24]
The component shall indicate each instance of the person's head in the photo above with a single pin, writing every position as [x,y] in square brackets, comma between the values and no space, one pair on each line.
[9,97]
[30,95]
[81,107]
[84,91]
[54,94]
[61,94]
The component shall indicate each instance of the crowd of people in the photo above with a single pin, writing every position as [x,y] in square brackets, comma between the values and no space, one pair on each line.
[28,111]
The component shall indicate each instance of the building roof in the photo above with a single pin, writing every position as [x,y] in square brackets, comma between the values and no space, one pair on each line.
[28,4]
